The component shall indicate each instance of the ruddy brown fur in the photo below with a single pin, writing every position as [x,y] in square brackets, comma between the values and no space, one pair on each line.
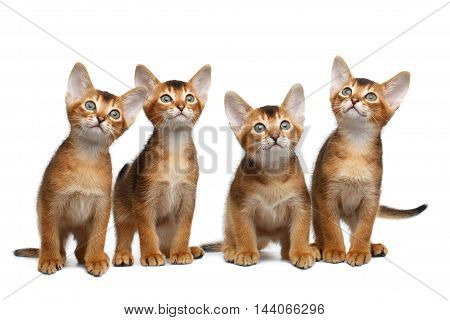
[347,177]
[75,194]
[155,195]
[268,198]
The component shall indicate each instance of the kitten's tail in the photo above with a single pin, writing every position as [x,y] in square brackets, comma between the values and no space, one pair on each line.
[392,213]
[212,247]
[123,171]
[27,252]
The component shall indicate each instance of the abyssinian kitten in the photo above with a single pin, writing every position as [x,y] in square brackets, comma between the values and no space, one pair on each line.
[75,193]
[348,172]
[155,195]
[268,198]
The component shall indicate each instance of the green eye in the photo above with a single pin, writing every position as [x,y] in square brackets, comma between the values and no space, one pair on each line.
[115,114]
[346,91]
[90,105]
[371,96]
[259,127]
[166,98]
[285,125]
[190,98]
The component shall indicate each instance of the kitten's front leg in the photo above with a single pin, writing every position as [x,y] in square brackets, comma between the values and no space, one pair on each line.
[96,260]
[148,238]
[326,222]
[301,254]
[180,253]
[245,237]
[50,259]
[360,246]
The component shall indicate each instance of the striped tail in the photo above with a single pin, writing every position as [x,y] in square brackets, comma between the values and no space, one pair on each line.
[27,252]
[392,213]
[212,247]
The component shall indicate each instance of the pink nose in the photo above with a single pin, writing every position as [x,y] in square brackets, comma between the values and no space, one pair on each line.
[100,119]
[180,108]
[354,100]
[275,136]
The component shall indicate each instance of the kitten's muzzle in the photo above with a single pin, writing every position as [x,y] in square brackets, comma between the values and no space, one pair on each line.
[356,106]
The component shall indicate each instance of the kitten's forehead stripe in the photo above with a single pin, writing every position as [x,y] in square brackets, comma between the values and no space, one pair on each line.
[176,84]
[270,111]
[364,82]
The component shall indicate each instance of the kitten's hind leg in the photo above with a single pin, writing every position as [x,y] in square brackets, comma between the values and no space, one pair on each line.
[81,235]
[378,250]
[285,243]
[197,252]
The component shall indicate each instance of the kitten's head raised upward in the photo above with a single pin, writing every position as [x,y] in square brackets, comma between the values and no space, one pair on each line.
[174,103]
[99,116]
[269,131]
[359,101]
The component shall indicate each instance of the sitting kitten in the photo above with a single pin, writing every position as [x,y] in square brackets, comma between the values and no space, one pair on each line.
[75,194]
[347,178]
[155,195]
[268,198]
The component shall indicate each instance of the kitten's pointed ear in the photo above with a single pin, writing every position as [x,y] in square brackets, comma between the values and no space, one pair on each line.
[200,82]
[133,102]
[79,83]
[395,89]
[144,78]
[294,103]
[340,75]
[236,109]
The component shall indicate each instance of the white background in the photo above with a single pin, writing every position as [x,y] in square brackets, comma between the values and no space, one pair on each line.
[258,49]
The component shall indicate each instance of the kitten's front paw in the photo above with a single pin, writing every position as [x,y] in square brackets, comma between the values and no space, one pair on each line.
[357,258]
[97,266]
[49,265]
[333,255]
[197,252]
[246,259]
[181,258]
[123,259]
[316,252]
[153,259]
[302,260]
[378,250]
[229,255]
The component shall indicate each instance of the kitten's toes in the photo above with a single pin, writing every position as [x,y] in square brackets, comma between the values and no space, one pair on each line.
[152,259]
[302,260]
[123,259]
[378,250]
[316,252]
[229,255]
[246,258]
[197,252]
[333,255]
[181,258]
[357,258]
[50,265]
[97,266]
